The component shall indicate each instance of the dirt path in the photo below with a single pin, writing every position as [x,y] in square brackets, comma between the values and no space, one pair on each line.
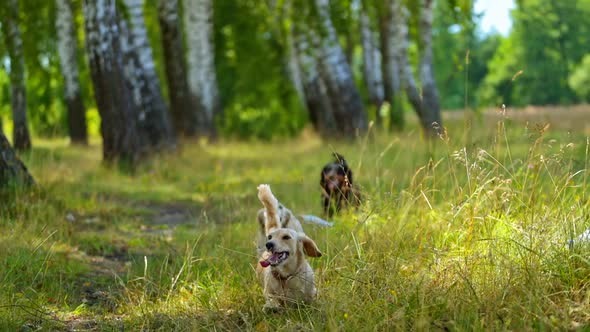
[99,287]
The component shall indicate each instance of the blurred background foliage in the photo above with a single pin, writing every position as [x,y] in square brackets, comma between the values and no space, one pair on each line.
[544,60]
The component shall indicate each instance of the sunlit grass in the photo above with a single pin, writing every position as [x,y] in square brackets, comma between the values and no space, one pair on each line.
[460,234]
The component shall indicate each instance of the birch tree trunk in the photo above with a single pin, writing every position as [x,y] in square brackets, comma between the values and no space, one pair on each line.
[114,99]
[390,49]
[132,79]
[181,108]
[12,169]
[431,120]
[14,45]
[336,73]
[314,91]
[294,66]
[140,70]
[303,71]
[202,79]
[67,46]
[371,64]
[400,42]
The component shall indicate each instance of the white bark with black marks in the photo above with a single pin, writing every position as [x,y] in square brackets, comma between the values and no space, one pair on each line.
[371,61]
[426,103]
[336,73]
[317,100]
[14,45]
[181,108]
[119,128]
[202,78]
[140,70]
[67,47]
[431,119]
[391,42]
[295,72]
[400,44]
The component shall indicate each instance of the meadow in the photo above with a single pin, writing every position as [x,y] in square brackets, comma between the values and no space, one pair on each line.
[468,232]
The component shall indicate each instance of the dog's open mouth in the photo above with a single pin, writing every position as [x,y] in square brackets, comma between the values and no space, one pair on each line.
[275,259]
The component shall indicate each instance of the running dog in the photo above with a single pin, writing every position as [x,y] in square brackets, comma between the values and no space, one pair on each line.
[283,271]
[337,186]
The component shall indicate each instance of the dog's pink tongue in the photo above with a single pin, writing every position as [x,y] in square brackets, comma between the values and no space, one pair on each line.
[273,259]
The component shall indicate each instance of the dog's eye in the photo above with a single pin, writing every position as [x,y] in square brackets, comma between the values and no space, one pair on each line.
[270,237]
[286,237]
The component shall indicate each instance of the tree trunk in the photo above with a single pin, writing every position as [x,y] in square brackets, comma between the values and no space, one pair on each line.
[316,98]
[431,120]
[67,46]
[114,98]
[295,70]
[371,64]
[183,114]
[14,45]
[336,73]
[202,79]
[140,70]
[390,50]
[12,169]
[400,43]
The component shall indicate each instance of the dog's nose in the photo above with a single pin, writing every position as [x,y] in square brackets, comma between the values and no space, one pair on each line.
[269,245]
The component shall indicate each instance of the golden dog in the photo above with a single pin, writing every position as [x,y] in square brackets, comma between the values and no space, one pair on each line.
[285,274]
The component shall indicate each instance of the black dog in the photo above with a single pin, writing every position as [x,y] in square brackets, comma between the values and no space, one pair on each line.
[337,186]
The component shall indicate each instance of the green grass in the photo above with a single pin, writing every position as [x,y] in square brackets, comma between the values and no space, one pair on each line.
[459,234]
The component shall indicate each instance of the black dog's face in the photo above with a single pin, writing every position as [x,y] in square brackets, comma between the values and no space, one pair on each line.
[335,177]
[336,182]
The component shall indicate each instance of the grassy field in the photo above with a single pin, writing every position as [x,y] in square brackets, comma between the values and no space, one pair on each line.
[565,118]
[467,233]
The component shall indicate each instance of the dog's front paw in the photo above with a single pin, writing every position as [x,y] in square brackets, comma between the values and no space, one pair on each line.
[264,192]
[267,198]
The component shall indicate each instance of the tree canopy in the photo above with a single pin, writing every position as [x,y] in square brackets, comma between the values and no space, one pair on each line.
[543,60]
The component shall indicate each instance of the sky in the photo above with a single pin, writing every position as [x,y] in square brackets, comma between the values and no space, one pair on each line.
[496,15]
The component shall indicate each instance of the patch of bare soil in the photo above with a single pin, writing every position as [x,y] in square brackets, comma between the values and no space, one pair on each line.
[94,283]
[170,214]
[154,215]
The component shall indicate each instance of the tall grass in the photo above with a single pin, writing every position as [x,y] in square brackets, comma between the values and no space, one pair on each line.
[449,236]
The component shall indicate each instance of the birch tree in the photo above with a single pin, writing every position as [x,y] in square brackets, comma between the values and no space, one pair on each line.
[202,79]
[140,71]
[335,71]
[391,69]
[294,65]
[313,88]
[431,120]
[371,62]
[184,114]
[400,41]
[67,46]
[118,115]
[14,45]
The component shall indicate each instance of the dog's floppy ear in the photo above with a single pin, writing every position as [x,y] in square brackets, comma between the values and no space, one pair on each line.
[309,247]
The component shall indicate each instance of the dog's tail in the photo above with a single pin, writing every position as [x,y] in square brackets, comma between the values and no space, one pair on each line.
[271,205]
[311,219]
[339,159]
[583,238]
